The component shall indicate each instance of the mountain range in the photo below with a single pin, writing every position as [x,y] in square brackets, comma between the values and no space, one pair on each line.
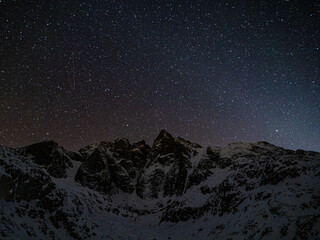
[174,189]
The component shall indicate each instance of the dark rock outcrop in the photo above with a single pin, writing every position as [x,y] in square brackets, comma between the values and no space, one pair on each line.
[112,166]
[55,159]
[94,172]
[167,168]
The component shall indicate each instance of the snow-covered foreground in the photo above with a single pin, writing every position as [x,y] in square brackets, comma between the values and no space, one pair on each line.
[172,190]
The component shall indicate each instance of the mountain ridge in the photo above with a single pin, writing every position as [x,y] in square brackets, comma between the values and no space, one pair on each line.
[177,188]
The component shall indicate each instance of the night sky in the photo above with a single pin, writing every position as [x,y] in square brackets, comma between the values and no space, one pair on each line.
[213,72]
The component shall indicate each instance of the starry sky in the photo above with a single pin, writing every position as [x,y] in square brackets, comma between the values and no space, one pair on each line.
[213,72]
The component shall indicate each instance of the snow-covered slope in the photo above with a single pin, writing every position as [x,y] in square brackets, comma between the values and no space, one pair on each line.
[173,190]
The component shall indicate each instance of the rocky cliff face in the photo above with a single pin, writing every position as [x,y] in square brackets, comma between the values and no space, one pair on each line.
[173,189]
[168,165]
[112,167]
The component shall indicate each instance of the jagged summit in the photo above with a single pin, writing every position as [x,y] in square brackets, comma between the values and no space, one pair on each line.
[243,190]
[162,137]
[122,143]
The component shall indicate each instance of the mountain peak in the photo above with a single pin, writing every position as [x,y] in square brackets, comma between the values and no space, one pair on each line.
[122,143]
[44,144]
[163,135]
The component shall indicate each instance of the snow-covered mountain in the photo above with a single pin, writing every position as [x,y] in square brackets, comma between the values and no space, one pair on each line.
[173,189]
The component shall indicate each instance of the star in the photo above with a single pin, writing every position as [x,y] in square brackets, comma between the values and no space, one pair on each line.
[214,73]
